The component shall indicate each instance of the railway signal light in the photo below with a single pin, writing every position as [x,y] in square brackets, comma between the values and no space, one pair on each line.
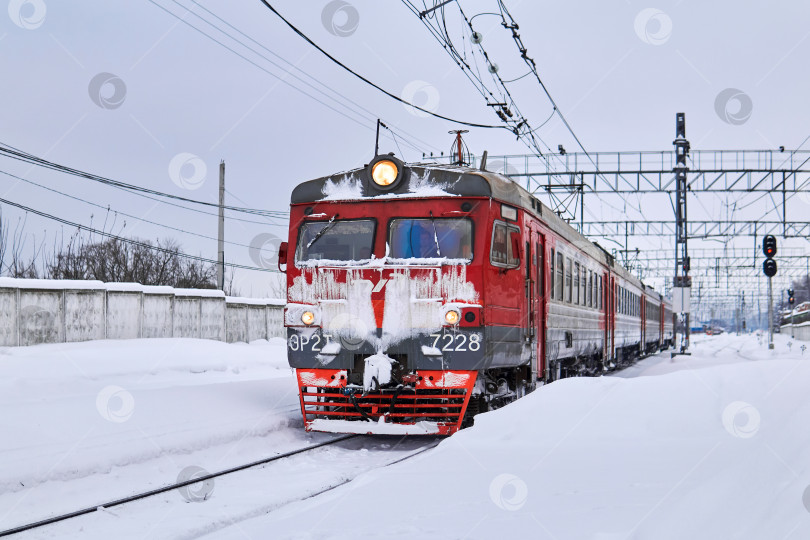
[791,297]
[769,267]
[769,246]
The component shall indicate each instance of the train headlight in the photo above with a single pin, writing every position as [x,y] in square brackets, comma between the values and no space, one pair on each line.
[307,318]
[452,316]
[384,172]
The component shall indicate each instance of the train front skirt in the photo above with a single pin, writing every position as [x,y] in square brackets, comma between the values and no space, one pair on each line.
[427,403]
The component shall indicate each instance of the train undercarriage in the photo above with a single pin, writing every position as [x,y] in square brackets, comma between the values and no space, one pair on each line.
[433,401]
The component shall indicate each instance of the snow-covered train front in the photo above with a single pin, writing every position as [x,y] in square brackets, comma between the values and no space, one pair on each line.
[420,295]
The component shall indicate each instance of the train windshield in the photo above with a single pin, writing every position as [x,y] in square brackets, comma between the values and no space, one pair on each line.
[345,240]
[431,238]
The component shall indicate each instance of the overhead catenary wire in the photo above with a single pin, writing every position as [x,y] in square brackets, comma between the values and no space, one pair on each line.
[528,136]
[513,26]
[407,137]
[443,38]
[369,82]
[281,79]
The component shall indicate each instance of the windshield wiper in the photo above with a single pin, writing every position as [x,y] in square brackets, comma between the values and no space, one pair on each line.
[323,231]
[435,235]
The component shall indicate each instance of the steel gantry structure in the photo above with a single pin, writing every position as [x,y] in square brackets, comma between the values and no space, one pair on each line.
[761,192]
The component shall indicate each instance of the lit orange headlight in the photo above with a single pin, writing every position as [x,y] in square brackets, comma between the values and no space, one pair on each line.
[452,316]
[384,172]
[307,318]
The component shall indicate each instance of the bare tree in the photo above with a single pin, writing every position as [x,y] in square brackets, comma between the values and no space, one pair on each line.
[114,260]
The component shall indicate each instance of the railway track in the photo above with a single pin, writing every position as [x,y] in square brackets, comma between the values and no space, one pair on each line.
[196,480]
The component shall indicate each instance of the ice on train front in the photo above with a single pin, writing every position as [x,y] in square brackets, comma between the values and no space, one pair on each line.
[384,316]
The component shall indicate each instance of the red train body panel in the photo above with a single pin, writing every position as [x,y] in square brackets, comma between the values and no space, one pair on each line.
[415,304]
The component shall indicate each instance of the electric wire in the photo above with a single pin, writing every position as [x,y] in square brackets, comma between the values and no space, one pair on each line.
[129,240]
[117,212]
[460,59]
[245,58]
[404,135]
[25,157]
[367,81]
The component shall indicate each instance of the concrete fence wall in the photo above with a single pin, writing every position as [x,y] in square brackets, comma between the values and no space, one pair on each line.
[801,331]
[36,311]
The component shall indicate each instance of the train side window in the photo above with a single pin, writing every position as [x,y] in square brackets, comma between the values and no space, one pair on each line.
[599,279]
[568,291]
[583,287]
[560,279]
[590,288]
[551,275]
[505,250]
[597,288]
[576,283]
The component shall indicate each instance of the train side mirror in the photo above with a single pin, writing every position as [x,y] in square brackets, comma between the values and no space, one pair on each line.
[282,256]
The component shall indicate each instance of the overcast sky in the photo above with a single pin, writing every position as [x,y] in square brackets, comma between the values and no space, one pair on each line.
[619,71]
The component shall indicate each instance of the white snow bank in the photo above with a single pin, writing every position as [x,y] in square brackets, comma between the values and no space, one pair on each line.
[83,423]
[374,428]
[717,452]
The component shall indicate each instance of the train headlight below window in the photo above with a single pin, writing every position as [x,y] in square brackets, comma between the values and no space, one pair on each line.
[307,318]
[452,316]
[384,172]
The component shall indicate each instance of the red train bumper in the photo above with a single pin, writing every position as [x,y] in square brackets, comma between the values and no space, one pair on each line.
[434,405]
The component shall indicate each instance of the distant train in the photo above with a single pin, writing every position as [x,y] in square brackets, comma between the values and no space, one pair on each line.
[420,295]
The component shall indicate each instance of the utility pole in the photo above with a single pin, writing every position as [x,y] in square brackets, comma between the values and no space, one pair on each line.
[769,268]
[770,314]
[377,140]
[221,233]
[683,283]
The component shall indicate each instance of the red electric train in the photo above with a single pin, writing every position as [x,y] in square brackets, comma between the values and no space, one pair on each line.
[420,295]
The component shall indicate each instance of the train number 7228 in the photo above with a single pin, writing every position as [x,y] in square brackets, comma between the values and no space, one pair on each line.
[456,342]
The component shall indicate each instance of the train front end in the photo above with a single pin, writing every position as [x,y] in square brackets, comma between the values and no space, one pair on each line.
[384,308]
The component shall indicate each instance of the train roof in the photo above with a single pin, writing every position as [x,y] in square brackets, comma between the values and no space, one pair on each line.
[433,179]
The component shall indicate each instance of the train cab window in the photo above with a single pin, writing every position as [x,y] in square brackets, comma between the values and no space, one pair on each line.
[576,283]
[505,250]
[339,240]
[560,269]
[568,291]
[425,238]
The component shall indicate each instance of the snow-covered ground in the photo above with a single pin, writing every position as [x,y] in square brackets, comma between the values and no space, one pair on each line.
[713,445]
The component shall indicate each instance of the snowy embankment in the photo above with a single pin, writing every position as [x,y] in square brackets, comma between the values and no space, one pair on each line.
[83,423]
[713,445]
